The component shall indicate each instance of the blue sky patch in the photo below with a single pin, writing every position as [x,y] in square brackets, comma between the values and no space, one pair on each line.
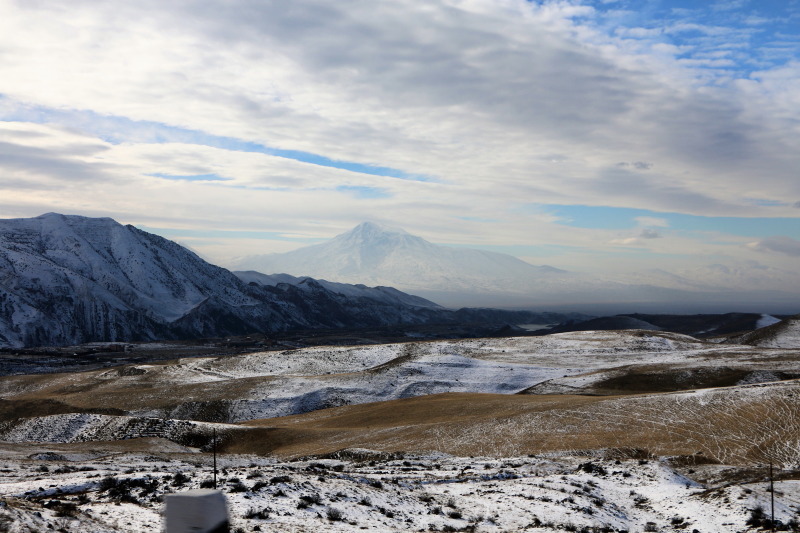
[738,36]
[368,193]
[118,130]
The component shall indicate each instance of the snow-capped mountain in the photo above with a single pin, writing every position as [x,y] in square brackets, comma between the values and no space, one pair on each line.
[459,277]
[71,279]
[66,279]
[380,255]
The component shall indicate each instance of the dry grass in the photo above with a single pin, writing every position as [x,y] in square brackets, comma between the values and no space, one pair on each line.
[117,393]
[622,407]
[728,426]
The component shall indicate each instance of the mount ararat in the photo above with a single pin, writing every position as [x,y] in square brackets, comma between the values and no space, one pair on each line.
[375,254]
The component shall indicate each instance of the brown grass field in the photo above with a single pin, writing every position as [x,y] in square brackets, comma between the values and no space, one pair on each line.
[729,426]
[696,408]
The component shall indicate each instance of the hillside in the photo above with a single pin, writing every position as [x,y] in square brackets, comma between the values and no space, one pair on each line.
[486,394]
[592,431]
[783,334]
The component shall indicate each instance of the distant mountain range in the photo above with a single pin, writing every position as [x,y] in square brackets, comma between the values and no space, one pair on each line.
[699,326]
[374,254]
[70,279]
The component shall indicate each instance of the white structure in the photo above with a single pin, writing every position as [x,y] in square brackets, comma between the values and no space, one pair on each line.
[196,511]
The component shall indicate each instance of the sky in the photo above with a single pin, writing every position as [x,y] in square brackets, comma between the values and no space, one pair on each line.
[613,136]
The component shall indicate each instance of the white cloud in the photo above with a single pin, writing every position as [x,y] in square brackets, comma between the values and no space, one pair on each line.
[652,222]
[780,244]
[504,103]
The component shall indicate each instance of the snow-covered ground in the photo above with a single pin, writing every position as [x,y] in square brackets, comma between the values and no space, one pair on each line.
[362,490]
[279,383]
[298,381]
[80,487]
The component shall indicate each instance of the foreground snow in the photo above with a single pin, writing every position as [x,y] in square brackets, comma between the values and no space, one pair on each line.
[364,490]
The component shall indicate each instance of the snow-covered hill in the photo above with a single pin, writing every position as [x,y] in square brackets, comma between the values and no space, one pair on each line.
[66,279]
[782,334]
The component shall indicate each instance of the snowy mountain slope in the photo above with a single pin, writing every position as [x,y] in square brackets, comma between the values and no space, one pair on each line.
[345,294]
[383,295]
[69,279]
[380,255]
[270,384]
[782,334]
[66,279]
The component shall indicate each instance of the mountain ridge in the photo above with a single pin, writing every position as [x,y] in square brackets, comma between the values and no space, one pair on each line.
[68,279]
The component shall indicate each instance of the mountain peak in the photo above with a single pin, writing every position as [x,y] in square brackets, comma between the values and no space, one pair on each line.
[74,219]
[374,254]
[374,228]
[52,215]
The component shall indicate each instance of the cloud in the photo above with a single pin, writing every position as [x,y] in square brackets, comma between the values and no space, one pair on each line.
[628,241]
[727,5]
[502,104]
[652,221]
[40,157]
[638,165]
[779,244]
[640,240]
[318,73]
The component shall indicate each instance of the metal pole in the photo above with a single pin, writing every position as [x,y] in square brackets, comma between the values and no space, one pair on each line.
[772,498]
[214,450]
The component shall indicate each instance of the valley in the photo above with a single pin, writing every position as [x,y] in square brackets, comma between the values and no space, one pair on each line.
[677,431]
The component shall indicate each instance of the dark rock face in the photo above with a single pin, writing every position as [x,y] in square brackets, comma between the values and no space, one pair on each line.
[68,279]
